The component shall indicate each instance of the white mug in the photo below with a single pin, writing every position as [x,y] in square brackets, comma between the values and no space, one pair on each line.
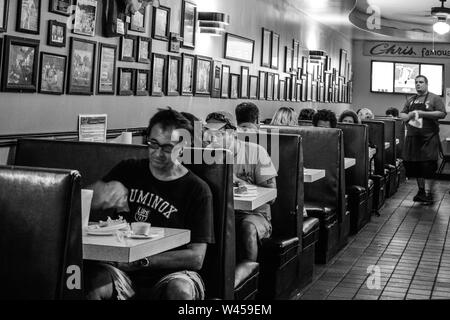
[86,199]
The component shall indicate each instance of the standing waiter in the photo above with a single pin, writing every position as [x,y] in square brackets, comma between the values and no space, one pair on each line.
[421,113]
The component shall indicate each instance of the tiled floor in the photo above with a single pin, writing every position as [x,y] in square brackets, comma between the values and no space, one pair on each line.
[403,254]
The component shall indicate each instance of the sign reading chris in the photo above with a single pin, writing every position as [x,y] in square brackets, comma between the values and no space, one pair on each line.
[405,49]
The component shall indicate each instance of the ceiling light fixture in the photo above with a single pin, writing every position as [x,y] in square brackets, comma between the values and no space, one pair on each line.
[441,13]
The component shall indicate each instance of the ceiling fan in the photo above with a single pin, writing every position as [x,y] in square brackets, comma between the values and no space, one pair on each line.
[442,13]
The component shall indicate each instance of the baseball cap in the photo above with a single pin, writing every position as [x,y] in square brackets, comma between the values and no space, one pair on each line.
[219,120]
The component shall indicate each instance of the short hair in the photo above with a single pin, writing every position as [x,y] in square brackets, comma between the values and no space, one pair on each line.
[169,118]
[422,76]
[247,112]
[365,113]
[306,114]
[349,113]
[285,117]
[392,112]
[325,115]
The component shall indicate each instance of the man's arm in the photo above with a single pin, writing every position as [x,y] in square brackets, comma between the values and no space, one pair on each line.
[109,195]
[406,116]
[433,115]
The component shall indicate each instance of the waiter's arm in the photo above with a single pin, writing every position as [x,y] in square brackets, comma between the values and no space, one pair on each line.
[433,115]
[406,116]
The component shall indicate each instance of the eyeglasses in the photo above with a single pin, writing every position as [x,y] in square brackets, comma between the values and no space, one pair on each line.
[166,148]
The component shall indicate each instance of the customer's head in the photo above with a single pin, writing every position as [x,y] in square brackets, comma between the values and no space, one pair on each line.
[285,117]
[324,118]
[247,112]
[393,112]
[306,114]
[220,130]
[349,116]
[365,113]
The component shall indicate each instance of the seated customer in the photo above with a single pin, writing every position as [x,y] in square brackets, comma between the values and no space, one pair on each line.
[349,116]
[285,117]
[365,113]
[324,118]
[252,166]
[247,116]
[161,191]
[393,112]
[306,114]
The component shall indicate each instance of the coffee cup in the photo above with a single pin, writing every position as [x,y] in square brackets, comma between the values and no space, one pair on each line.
[86,199]
[140,228]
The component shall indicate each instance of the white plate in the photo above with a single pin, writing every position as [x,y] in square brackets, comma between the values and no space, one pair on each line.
[95,228]
[246,195]
[100,233]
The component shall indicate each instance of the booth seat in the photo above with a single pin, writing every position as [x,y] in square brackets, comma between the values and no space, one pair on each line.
[400,135]
[310,238]
[391,155]
[40,234]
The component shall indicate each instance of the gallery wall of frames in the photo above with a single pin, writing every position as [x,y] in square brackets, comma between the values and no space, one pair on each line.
[76,53]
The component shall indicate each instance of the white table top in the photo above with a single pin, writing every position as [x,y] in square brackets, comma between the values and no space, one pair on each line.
[349,162]
[312,175]
[387,145]
[110,248]
[372,152]
[263,196]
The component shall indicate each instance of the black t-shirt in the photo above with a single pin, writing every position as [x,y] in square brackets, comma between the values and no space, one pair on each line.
[184,203]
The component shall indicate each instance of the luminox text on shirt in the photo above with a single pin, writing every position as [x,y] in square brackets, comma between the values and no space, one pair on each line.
[146,202]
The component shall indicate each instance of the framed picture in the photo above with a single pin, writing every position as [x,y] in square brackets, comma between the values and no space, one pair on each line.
[85,17]
[282,90]
[216,80]
[137,22]
[174,42]
[224,92]
[128,48]
[53,73]
[253,87]
[60,7]
[4,10]
[142,82]
[342,62]
[173,78]
[187,74]
[298,89]
[20,63]
[309,87]
[203,75]
[304,89]
[126,82]
[275,50]
[28,16]
[295,53]
[56,34]
[188,24]
[234,86]
[288,59]
[304,66]
[244,82]
[106,83]
[144,50]
[262,85]
[161,23]
[81,66]
[158,74]
[239,48]
[287,82]
[276,83]
[293,88]
[269,86]
[266,48]
[321,90]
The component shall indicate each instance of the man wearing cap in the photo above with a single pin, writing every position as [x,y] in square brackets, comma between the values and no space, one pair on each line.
[252,166]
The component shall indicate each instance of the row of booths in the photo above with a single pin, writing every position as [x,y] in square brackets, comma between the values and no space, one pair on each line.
[338,205]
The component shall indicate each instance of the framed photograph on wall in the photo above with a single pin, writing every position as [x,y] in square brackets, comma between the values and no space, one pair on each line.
[188,24]
[28,16]
[19,73]
[234,86]
[216,80]
[56,34]
[288,59]
[61,7]
[128,48]
[52,76]
[81,66]
[161,23]
[253,88]
[142,82]
[203,75]
[309,87]
[275,43]
[239,48]
[288,86]
[173,79]
[298,89]
[295,54]
[106,83]
[262,85]
[244,83]
[224,91]
[85,17]
[282,90]
[304,88]
[276,84]
[342,62]
[4,10]
[126,82]
[158,74]
[187,74]
[137,22]
[269,86]
[266,48]
[144,50]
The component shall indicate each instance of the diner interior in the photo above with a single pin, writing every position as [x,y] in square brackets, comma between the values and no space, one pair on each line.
[80,81]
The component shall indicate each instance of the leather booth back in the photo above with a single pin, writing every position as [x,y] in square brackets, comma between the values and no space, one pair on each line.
[40,234]
[389,136]
[376,140]
[356,145]
[400,135]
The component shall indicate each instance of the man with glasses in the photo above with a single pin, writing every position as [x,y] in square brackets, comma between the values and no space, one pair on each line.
[161,191]
[252,166]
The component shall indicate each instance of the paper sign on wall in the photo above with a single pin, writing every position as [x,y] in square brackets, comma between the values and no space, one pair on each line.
[92,127]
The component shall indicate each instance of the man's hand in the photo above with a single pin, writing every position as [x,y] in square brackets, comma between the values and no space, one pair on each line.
[110,195]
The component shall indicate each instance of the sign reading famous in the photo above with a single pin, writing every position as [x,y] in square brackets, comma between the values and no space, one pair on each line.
[405,49]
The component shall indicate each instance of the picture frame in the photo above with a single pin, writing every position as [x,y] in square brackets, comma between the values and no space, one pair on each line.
[57,34]
[62,7]
[174,43]
[188,24]
[298,90]
[161,23]
[239,48]
[243,90]
[52,75]
[144,50]
[128,48]
[288,95]
[81,66]
[4,12]
[187,74]
[217,79]
[262,85]
[295,53]
[321,90]
[234,86]
[28,17]
[293,88]
[309,87]
[266,48]
[106,79]
[173,72]
[342,62]
[225,79]
[253,87]
[288,52]
[275,50]
[276,84]
[269,86]
[304,88]
[159,66]
[203,76]
[304,65]
[20,64]
[137,21]
[282,90]
[126,83]
[85,17]
[142,82]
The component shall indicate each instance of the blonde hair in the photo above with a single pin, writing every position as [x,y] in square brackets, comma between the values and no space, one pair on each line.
[285,117]
[365,113]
